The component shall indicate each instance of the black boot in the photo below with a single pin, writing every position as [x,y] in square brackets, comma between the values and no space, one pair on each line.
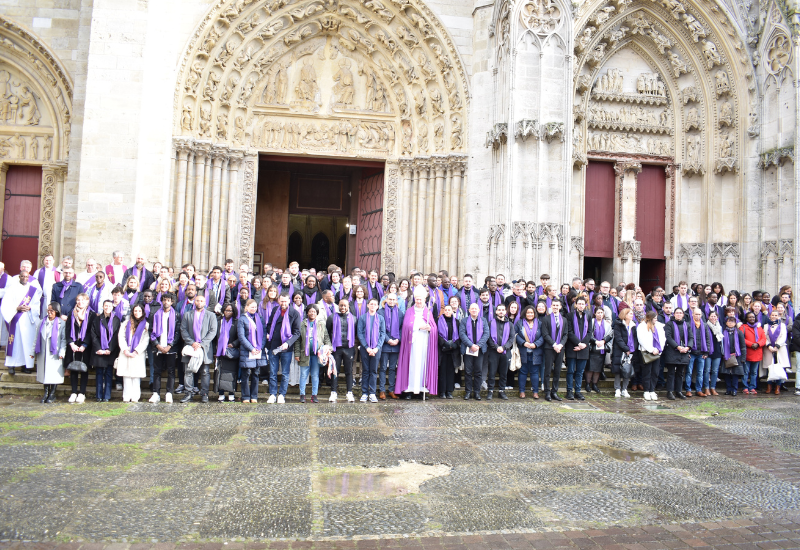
[595,389]
[570,397]
[51,398]
[448,395]
[11,370]
[46,393]
[477,395]
[502,395]
[489,395]
[555,396]
[467,395]
[547,396]
[670,396]
[579,396]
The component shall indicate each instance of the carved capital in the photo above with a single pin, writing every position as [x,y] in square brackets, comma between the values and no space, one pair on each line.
[622,166]
[553,130]
[497,136]
[526,128]
[630,250]
[775,157]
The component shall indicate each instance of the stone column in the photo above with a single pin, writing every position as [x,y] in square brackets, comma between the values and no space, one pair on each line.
[628,257]
[205,227]
[444,254]
[233,203]
[3,173]
[53,175]
[194,207]
[462,216]
[424,167]
[183,151]
[219,156]
[405,208]
[411,254]
[61,178]
[223,211]
[456,216]
[433,251]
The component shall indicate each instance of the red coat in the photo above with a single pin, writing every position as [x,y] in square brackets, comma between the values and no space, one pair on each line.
[754,337]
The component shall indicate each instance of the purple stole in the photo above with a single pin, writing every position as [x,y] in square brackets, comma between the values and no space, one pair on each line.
[564,301]
[378,289]
[313,297]
[12,327]
[360,309]
[442,325]
[677,334]
[197,325]
[343,296]
[82,332]
[40,276]
[256,331]
[135,273]
[656,342]
[468,299]
[336,339]
[600,334]
[106,332]
[773,336]
[436,298]
[392,318]
[53,337]
[726,344]
[685,301]
[372,330]
[553,328]
[478,327]
[110,272]
[330,309]
[493,330]
[137,335]
[709,310]
[182,293]
[299,309]
[577,327]
[530,332]
[496,298]
[118,311]
[219,293]
[155,335]
[703,334]
[224,335]
[286,328]
[311,337]
[94,297]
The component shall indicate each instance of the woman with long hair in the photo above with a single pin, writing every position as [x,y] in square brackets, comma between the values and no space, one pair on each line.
[133,342]
[50,350]
[226,350]
[755,340]
[719,290]
[652,340]
[715,357]
[269,302]
[599,350]
[79,346]
[625,351]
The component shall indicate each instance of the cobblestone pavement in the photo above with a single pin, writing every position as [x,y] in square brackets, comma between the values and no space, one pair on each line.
[722,473]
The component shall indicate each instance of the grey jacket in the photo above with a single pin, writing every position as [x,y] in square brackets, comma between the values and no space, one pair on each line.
[208,332]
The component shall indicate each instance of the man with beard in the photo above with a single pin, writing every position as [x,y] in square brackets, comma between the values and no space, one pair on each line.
[144,275]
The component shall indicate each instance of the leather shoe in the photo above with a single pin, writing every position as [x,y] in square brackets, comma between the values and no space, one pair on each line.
[392,395]
[555,396]
[595,389]
[440,396]
[477,395]
[728,392]
[467,395]
[570,397]
[713,391]
[186,398]
[448,395]
[579,396]
[46,394]
[408,397]
[382,396]
[11,370]
[204,399]
[681,396]
[701,394]
[522,395]
[51,397]
[502,395]
[670,396]
[688,394]
[489,395]
[546,397]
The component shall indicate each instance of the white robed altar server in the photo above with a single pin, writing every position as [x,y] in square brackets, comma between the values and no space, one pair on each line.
[20,309]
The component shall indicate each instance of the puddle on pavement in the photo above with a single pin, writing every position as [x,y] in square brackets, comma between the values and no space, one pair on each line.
[624,455]
[580,406]
[657,407]
[378,482]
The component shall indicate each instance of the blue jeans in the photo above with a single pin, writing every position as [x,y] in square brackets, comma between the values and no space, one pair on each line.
[151,362]
[732,382]
[313,369]
[695,364]
[575,368]
[797,367]
[528,369]
[388,362]
[104,377]
[712,373]
[751,374]
[284,359]
[249,383]
[702,370]
[369,371]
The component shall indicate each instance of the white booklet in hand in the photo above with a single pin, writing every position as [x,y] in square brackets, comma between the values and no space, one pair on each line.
[473,353]
[255,354]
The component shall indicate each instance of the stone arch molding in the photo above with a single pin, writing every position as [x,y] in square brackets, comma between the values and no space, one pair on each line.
[363,78]
[35,99]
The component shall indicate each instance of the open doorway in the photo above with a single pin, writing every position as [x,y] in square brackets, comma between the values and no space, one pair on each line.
[318,212]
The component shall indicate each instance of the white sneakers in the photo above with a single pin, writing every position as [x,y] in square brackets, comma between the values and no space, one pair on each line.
[81,398]
[332,398]
[653,396]
[231,397]
[617,393]
[271,400]
[373,398]
[350,398]
[72,398]
[363,398]
[155,398]
[281,400]
[457,386]
[625,393]
[168,398]
[647,396]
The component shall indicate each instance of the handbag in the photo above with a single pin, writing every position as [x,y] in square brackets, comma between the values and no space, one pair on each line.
[77,366]
[731,362]
[232,353]
[648,357]
[626,367]
[516,360]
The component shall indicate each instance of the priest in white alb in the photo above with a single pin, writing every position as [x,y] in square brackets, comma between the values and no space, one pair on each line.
[20,309]
[418,363]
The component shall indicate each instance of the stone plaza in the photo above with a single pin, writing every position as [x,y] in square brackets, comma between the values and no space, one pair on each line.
[445,474]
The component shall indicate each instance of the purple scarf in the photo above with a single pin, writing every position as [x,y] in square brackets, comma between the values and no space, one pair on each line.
[311,298]
[137,336]
[685,304]
[119,311]
[82,332]
[343,296]
[330,309]
[577,327]
[600,334]
[496,298]
[94,301]
[613,305]
[726,344]
[553,329]
[311,337]
[218,294]
[530,332]
[337,331]
[468,299]
[131,298]
[224,336]
[442,325]
[139,275]
[773,335]
[158,328]
[359,309]
[392,322]
[197,325]
[53,337]
[631,343]
[299,309]
[478,328]
[677,334]
[703,334]
[182,293]
[286,325]
[373,330]
[656,341]
[105,332]
[64,288]
[378,291]
[506,330]
[256,331]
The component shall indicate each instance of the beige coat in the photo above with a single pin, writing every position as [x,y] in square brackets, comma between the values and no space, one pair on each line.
[133,367]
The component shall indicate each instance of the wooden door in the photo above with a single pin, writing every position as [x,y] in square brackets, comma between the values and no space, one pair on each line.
[651,188]
[369,229]
[21,217]
[598,232]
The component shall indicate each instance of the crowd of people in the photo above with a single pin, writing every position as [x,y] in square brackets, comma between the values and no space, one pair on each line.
[393,337]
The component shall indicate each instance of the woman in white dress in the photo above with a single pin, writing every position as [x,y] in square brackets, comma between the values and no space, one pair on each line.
[51,346]
[133,340]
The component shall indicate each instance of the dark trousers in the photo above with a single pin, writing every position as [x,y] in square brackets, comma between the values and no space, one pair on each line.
[498,366]
[650,373]
[732,382]
[204,377]
[472,372]
[552,368]
[103,377]
[162,362]
[343,358]
[369,374]
[250,384]
[73,379]
[675,376]
[447,370]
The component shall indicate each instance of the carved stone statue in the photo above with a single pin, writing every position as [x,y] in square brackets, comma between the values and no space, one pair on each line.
[343,88]
[544,16]
[187,118]
[28,110]
[722,84]
[692,119]
[307,89]
[238,129]
[407,136]
[661,41]
[725,146]
[422,137]
[437,104]
[222,126]
[225,53]
[34,148]
[726,114]
[438,136]
[779,53]
[421,103]
[711,53]
[20,143]
[47,147]
[456,141]
[227,91]
[205,122]
[678,66]
[694,27]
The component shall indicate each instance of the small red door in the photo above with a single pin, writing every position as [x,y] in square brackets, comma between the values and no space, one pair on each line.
[598,228]
[21,217]
[369,230]
[651,211]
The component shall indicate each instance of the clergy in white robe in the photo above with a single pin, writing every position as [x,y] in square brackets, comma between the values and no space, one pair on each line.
[418,363]
[20,309]
[4,281]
